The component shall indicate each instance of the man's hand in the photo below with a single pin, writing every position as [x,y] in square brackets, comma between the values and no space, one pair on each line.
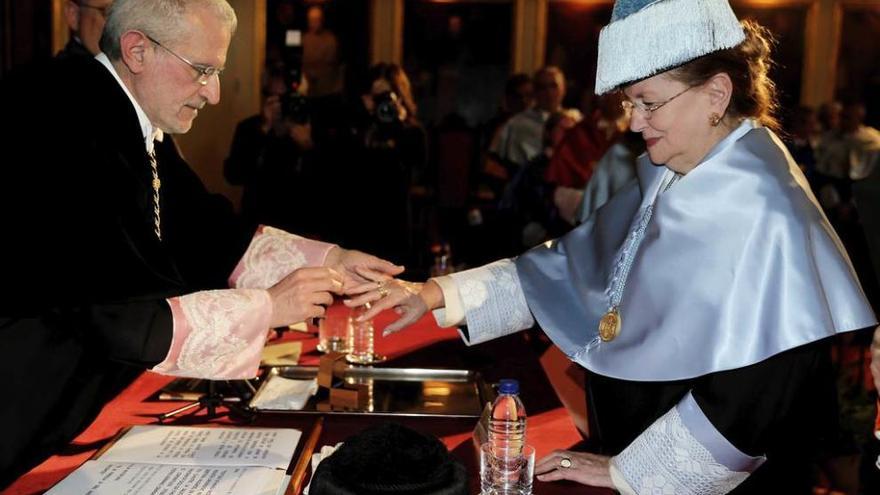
[356,266]
[303,294]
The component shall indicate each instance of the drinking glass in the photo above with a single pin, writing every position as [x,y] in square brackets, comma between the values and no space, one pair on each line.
[333,329]
[495,477]
[361,339]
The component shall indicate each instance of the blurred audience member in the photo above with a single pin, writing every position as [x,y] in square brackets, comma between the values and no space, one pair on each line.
[831,184]
[804,134]
[518,96]
[385,157]
[577,154]
[520,138]
[866,196]
[845,157]
[85,19]
[845,154]
[864,153]
[269,156]
[614,170]
[528,199]
[864,141]
[320,62]
[829,116]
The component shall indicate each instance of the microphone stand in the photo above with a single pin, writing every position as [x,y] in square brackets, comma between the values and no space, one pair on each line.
[212,401]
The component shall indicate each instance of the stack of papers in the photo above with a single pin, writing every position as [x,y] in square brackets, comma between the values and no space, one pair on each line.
[176,460]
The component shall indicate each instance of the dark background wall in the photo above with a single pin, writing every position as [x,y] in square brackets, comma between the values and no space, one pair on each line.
[25,32]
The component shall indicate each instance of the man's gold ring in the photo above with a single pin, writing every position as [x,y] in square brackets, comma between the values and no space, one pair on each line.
[565,462]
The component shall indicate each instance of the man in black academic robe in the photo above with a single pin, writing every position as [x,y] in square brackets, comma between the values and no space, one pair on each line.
[109,255]
[86,277]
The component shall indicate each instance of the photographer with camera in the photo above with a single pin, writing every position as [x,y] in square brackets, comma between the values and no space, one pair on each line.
[385,160]
[271,157]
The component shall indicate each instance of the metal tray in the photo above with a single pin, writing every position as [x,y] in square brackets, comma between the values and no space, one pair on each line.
[397,391]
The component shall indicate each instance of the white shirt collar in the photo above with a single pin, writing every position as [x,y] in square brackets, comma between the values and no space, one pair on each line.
[150,133]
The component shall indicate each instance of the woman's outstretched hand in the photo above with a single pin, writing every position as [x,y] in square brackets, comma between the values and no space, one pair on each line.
[408,299]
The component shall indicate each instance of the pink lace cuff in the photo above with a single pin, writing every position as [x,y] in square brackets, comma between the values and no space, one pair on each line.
[218,334]
[272,255]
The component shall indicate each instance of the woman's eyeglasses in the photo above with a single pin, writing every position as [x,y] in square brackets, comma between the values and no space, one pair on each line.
[648,110]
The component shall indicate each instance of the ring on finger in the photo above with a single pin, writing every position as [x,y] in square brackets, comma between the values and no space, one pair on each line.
[565,462]
[383,291]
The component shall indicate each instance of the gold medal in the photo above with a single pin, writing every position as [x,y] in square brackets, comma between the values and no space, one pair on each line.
[609,325]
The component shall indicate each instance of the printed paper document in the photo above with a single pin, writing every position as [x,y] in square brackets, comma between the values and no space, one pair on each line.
[188,460]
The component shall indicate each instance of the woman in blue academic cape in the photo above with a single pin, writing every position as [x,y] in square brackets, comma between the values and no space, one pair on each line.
[702,296]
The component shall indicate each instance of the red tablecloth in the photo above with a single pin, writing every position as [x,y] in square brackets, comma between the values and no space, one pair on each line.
[549,425]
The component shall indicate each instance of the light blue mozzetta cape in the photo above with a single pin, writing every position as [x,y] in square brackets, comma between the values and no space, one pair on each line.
[737,264]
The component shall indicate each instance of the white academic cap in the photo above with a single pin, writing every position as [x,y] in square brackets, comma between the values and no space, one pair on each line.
[646,37]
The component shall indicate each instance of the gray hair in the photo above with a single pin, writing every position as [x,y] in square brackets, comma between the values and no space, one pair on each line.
[161,19]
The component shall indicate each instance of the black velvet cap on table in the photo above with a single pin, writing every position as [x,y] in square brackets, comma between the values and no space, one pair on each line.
[390,459]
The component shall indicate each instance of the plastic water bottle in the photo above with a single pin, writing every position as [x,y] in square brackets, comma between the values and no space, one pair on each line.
[507,435]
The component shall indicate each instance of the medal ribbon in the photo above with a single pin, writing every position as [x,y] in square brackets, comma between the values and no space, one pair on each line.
[625,257]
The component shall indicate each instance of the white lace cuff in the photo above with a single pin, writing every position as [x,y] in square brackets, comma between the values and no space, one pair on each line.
[272,255]
[493,301]
[683,453]
[218,334]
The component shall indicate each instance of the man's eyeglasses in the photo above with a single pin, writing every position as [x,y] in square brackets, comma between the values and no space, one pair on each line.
[205,71]
[648,110]
[100,10]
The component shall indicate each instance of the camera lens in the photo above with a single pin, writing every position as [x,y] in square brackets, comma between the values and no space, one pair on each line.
[387,110]
[295,107]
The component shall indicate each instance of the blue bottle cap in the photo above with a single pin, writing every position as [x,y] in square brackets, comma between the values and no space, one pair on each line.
[508,386]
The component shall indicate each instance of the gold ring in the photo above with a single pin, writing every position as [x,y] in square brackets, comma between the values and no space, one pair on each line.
[565,462]
[383,291]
